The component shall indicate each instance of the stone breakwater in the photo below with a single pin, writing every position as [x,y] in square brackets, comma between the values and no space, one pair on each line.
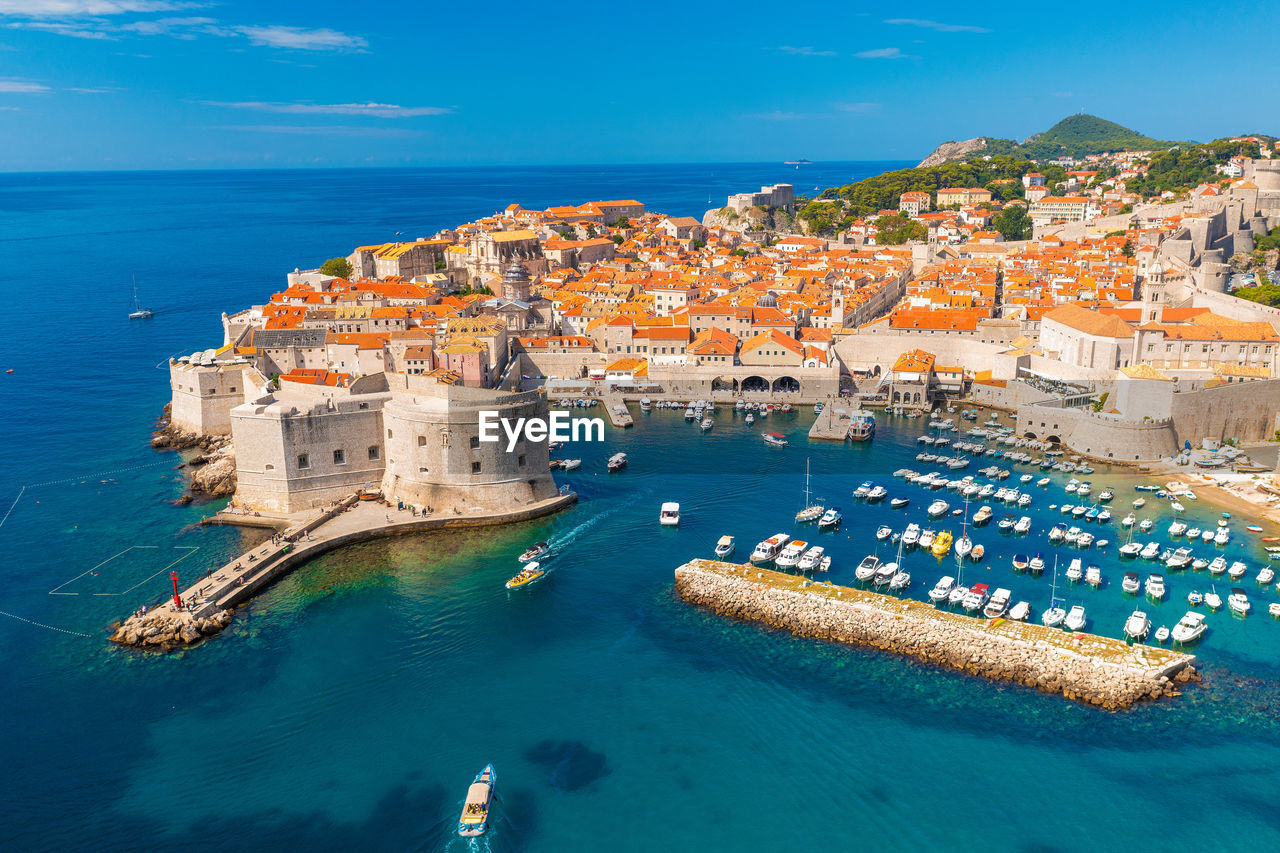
[1101,671]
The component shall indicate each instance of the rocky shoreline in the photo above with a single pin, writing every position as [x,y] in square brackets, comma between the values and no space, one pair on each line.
[170,629]
[1098,671]
[214,470]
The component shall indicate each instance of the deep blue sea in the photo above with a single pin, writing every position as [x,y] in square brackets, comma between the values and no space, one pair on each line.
[349,707]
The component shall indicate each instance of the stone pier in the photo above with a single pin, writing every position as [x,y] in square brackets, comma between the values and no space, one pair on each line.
[833,422]
[1100,671]
[619,415]
[208,603]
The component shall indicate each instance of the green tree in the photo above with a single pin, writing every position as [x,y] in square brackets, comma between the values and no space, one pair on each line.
[1013,223]
[618,239]
[340,267]
[1127,249]
[622,222]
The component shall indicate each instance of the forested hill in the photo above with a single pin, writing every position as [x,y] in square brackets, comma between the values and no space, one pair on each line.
[1074,136]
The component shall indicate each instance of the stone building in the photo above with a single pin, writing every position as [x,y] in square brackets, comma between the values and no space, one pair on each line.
[203,396]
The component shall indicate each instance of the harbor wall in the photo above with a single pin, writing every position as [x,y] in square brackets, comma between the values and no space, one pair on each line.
[1106,437]
[1093,670]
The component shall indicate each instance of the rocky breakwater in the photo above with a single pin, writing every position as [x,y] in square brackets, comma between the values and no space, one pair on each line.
[164,628]
[1099,671]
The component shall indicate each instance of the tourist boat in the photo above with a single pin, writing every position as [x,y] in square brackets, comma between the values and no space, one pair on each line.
[883,532]
[774,439]
[1020,562]
[669,514]
[769,548]
[1218,566]
[535,552]
[1130,584]
[938,508]
[1266,575]
[1023,524]
[867,568]
[1155,586]
[911,535]
[983,515]
[646,404]
[1093,576]
[941,544]
[1238,602]
[617,462]
[1212,600]
[1137,626]
[1190,628]
[475,811]
[998,604]
[942,589]
[976,597]
[527,576]
[1177,528]
[790,555]
[725,546]
[1237,570]
[830,519]
[862,427]
[977,553]
[1075,619]
[811,559]
[1194,598]
[899,503]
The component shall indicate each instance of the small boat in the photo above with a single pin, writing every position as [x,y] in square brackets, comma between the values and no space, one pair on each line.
[528,576]
[1253,528]
[138,312]
[1131,584]
[617,462]
[883,532]
[789,557]
[1131,549]
[1155,586]
[911,535]
[885,573]
[1238,602]
[1023,524]
[1189,628]
[775,439]
[1237,570]
[1020,611]
[750,419]
[1177,507]
[1162,634]
[1139,503]
[963,546]
[1075,571]
[938,508]
[901,580]
[725,546]
[983,515]
[1020,562]
[1212,600]
[941,544]
[998,604]
[1075,619]
[1036,564]
[1218,566]
[977,553]
[899,503]
[1178,528]
[867,568]
[707,423]
[1194,598]
[535,552]
[475,812]
[830,519]
[570,464]
[769,548]
[1266,575]
[976,597]
[1137,626]
[1222,536]
[669,514]
[646,404]
[811,559]
[1093,576]
[942,589]
[1193,532]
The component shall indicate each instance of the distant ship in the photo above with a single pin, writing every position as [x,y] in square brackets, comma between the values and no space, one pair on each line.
[797,163]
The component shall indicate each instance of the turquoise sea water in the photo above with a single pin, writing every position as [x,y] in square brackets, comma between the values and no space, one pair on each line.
[349,706]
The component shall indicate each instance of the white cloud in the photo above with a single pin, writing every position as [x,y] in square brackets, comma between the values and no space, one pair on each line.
[882,53]
[857,106]
[23,87]
[82,8]
[301,38]
[373,109]
[321,130]
[940,27]
[73,30]
[805,51]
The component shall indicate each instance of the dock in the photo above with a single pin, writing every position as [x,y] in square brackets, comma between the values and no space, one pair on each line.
[1101,671]
[208,603]
[618,413]
[833,422]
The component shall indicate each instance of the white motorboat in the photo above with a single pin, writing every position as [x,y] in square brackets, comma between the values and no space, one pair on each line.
[1238,602]
[769,548]
[1193,532]
[1146,524]
[901,580]
[867,568]
[811,559]
[1020,611]
[1162,634]
[926,538]
[1130,583]
[825,564]
[1218,566]
[1075,571]
[1179,559]
[1207,535]
[617,462]
[1237,570]
[1129,520]
[1075,619]
[1212,600]
[1266,575]
[1177,528]
[1093,576]
[1084,540]
[725,546]
[1036,563]
[976,598]
[883,532]
[1137,626]
[957,594]
[942,589]
[1222,536]
[877,493]
[1057,533]
[884,573]
[1023,524]
[1155,587]
[1151,550]
[998,604]
[1131,549]
[646,404]
[669,515]
[938,508]
[1189,628]
[911,535]
[570,464]
[830,519]
[983,515]
[790,556]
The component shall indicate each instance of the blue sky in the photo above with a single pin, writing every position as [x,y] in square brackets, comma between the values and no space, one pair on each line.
[126,84]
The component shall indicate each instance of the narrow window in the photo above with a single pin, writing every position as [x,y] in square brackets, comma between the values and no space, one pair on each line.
[475,442]
[422,441]
[304,461]
[475,467]
[339,457]
[374,452]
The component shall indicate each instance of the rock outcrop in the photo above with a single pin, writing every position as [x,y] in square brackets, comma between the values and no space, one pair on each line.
[216,476]
[1093,670]
[948,151]
[167,629]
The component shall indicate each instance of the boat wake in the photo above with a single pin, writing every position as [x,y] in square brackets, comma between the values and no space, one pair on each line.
[563,540]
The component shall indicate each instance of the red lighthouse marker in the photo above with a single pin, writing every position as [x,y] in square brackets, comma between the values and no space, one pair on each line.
[177,599]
